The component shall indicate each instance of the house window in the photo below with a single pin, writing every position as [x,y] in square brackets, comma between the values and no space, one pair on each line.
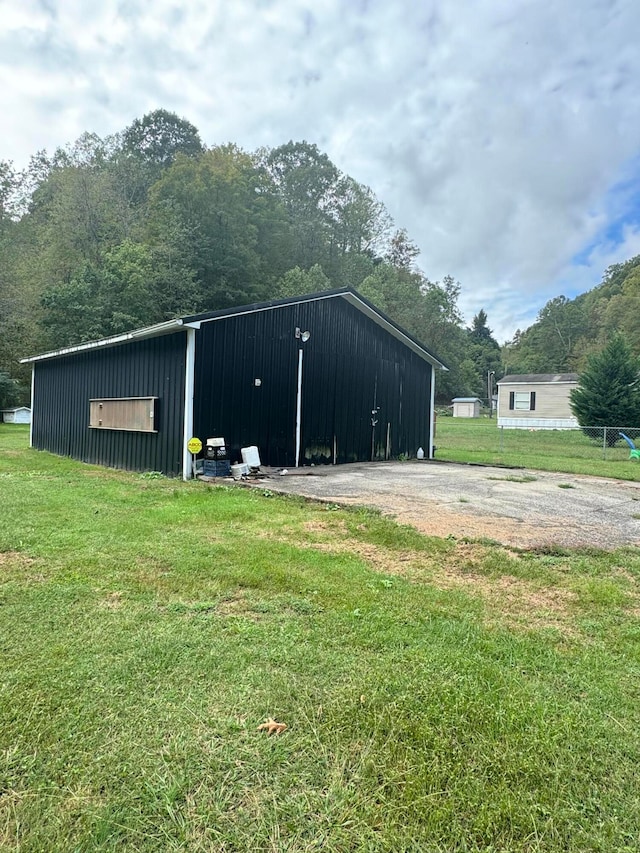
[133,414]
[522,401]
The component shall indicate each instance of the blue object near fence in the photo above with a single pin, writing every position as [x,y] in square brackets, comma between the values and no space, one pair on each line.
[634,452]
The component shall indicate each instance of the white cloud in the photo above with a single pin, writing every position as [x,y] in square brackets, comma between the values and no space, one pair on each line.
[496,132]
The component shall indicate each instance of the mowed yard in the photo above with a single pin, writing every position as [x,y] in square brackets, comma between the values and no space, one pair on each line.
[572,451]
[439,694]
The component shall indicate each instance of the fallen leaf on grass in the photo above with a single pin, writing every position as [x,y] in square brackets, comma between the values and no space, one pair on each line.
[272,727]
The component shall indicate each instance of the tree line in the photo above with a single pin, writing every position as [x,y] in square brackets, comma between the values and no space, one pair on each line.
[110,234]
[597,336]
[107,235]
[567,332]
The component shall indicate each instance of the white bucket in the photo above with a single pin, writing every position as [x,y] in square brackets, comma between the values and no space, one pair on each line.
[251,456]
[237,471]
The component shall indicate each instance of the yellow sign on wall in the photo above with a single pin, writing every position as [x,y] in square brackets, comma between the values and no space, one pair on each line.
[194,445]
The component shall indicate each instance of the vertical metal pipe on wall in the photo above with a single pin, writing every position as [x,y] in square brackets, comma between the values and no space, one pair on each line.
[299,408]
[190,362]
[432,412]
[33,377]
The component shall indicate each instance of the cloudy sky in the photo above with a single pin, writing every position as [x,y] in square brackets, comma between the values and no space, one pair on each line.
[504,135]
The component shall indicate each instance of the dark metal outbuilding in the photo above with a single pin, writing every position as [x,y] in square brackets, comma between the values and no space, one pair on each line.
[323,378]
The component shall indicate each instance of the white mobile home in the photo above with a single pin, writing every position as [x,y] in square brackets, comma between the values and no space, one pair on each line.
[536,401]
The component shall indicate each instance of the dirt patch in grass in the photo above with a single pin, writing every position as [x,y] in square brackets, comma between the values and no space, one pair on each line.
[14,558]
[447,522]
[404,564]
[237,605]
[14,564]
[316,526]
[623,573]
[519,602]
[112,601]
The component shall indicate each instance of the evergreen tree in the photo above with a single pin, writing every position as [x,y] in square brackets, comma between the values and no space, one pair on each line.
[480,332]
[609,389]
[483,353]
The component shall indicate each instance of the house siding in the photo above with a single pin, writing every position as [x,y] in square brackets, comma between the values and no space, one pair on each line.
[552,410]
[351,366]
[62,388]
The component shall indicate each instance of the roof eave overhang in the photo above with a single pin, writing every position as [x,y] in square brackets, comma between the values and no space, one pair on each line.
[165,328]
[398,333]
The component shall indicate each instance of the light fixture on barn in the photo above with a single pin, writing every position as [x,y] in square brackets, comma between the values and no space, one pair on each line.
[303,337]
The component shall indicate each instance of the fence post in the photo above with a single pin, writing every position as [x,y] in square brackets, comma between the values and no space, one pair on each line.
[604,444]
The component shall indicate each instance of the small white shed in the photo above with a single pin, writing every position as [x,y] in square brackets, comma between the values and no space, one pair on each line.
[466,407]
[16,415]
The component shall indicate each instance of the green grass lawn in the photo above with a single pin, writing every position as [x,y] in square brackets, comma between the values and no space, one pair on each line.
[440,694]
[571,451]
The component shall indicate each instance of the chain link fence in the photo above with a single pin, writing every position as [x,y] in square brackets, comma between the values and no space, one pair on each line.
[610,437]
[484,437]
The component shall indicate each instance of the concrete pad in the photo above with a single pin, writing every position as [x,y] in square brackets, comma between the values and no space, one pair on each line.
[516,507]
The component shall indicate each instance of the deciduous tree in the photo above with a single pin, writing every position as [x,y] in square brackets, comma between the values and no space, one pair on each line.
[296,282]
[9,391]
[159,136]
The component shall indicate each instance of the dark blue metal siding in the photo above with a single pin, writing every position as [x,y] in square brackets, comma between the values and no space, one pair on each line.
[351,366]
[148,368]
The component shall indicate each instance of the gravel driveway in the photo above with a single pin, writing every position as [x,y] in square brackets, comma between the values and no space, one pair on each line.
[519,508]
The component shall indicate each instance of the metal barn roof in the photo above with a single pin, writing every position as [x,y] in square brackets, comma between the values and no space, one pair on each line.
[195,321]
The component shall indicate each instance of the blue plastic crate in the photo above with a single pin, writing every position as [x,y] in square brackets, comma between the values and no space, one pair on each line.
[216,468]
